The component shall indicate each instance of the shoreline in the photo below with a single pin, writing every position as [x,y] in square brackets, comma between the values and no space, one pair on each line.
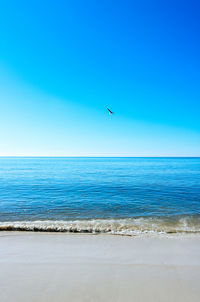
[80,267]
[183,224]
[142,235]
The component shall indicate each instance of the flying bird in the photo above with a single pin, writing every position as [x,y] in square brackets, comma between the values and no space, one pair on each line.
[110,112]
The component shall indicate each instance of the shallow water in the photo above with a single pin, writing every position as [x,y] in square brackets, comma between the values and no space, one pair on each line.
[117,195]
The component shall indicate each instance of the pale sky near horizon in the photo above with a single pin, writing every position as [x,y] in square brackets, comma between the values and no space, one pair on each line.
[63,63]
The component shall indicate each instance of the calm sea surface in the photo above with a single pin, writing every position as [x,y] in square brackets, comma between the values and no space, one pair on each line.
[114,195]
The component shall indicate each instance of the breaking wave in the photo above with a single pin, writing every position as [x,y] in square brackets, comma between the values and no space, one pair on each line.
[130,226]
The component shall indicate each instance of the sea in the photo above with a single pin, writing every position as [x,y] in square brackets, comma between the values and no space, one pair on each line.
[113,195]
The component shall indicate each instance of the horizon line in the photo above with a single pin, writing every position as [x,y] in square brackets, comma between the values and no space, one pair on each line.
[84,156]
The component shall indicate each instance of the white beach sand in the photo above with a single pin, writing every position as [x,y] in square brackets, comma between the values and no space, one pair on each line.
[62,267]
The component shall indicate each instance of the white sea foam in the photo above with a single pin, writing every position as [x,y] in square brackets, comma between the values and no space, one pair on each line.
[130,226]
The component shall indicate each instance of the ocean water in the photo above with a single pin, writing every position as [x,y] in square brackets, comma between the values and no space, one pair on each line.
[100,195]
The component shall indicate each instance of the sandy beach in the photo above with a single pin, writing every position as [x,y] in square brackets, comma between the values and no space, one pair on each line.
[63,267]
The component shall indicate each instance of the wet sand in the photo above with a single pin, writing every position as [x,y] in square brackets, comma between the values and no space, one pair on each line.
[43,267]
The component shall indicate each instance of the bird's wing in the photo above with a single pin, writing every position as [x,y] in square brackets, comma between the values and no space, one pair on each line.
[110,111]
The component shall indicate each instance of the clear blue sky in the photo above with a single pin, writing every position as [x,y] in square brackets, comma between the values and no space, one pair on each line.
[63,62]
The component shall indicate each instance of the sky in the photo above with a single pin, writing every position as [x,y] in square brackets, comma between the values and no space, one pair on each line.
[63,62]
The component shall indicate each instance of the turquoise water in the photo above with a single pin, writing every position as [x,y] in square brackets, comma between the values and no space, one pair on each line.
[117,195]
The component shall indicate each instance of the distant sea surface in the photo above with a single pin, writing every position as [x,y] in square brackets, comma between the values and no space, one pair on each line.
[100,195]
